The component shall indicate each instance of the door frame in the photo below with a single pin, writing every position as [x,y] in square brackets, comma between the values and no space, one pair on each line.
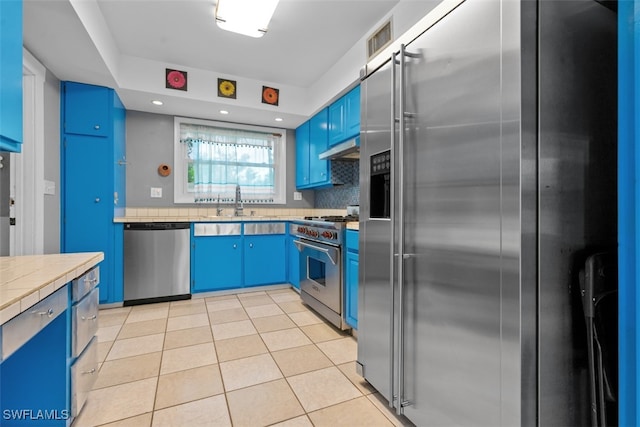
[27,168]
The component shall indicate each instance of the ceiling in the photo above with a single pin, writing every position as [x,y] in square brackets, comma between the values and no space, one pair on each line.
[128,44]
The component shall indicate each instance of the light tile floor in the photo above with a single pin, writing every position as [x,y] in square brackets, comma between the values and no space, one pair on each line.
[249,359]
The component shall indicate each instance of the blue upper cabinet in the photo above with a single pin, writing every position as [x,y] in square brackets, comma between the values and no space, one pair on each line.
[93,178]
[337,121]
[334,124]
[353,112]
[302,155]
[10,75]
[311,140]
[344,117]
[318,132]
[88,110]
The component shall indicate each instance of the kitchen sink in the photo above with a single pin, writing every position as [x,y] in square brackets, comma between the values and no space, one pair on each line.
[243,217]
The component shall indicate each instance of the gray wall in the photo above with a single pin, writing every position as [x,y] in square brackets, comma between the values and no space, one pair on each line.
[52,163]
[150,143]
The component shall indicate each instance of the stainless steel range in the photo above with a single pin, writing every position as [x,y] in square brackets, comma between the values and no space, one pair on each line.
[319,241]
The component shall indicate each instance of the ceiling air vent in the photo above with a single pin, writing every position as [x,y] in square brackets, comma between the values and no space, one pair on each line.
[379,40]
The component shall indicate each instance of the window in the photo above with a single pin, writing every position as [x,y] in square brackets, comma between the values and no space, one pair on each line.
[213,158]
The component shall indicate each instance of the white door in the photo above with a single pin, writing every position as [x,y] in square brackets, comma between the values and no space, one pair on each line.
[26,212]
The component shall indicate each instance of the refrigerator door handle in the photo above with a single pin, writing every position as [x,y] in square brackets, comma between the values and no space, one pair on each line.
[399,349]
[392,217]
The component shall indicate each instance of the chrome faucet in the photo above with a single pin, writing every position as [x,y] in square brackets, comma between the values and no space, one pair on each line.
[238,209]
[218,208]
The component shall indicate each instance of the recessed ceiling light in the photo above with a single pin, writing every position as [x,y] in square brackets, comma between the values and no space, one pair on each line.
[157,102]
[224,112]
[278,119]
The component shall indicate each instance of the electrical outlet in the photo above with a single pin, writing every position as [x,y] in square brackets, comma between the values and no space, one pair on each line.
[49,187]
[297,195]
[156,192]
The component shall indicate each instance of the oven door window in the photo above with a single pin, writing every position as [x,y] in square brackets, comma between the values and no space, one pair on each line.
[316,271]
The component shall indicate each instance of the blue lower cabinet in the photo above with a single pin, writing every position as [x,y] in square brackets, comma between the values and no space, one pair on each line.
[264,260]
[351,279]
[294,266]
[34,383]
[351,290]
[217,263]
[221,261]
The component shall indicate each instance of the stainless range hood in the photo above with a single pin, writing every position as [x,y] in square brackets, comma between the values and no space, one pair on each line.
[349,149]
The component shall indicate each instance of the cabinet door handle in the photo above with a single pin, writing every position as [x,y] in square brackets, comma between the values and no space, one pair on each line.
[47,313]
[97,127]
[89,372]
[235,246]
[94,317]
[91,281]
[251,245]
[97,200]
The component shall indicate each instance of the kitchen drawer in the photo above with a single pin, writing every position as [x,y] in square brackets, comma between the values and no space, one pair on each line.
[83,375]
[85,283]
[84,321]
[264,228]
[26,325]
[217,229]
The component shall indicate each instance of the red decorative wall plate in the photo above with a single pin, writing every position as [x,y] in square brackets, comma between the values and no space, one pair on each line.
[176,79]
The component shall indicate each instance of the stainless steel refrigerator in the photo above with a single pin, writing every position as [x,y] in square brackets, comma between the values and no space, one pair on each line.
[487,173]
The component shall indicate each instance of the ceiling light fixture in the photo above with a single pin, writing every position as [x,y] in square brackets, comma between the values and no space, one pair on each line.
[248,17]
[278,119]
[224,112]
[157,102]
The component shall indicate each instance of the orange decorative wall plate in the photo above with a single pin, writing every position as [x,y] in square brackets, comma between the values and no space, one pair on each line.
[270,95]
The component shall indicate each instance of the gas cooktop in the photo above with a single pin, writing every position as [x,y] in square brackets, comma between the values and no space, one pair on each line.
[333,218]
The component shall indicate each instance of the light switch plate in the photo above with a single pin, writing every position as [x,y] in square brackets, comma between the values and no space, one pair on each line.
[156,192]
[49,187]
[297,195]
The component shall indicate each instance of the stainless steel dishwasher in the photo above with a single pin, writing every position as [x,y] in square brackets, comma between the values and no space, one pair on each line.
[156,262]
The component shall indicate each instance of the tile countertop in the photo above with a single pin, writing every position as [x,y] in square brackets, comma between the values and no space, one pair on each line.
[27,280]
[212,218]
[209,214]
[353,225]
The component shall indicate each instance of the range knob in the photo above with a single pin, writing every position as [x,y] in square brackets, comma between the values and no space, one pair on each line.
[328,235]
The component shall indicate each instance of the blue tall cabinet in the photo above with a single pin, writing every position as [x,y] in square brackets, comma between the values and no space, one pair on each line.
[628,211]
[11,75]
[93,179]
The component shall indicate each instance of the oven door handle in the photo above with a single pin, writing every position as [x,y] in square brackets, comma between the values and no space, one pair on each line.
[299,244]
